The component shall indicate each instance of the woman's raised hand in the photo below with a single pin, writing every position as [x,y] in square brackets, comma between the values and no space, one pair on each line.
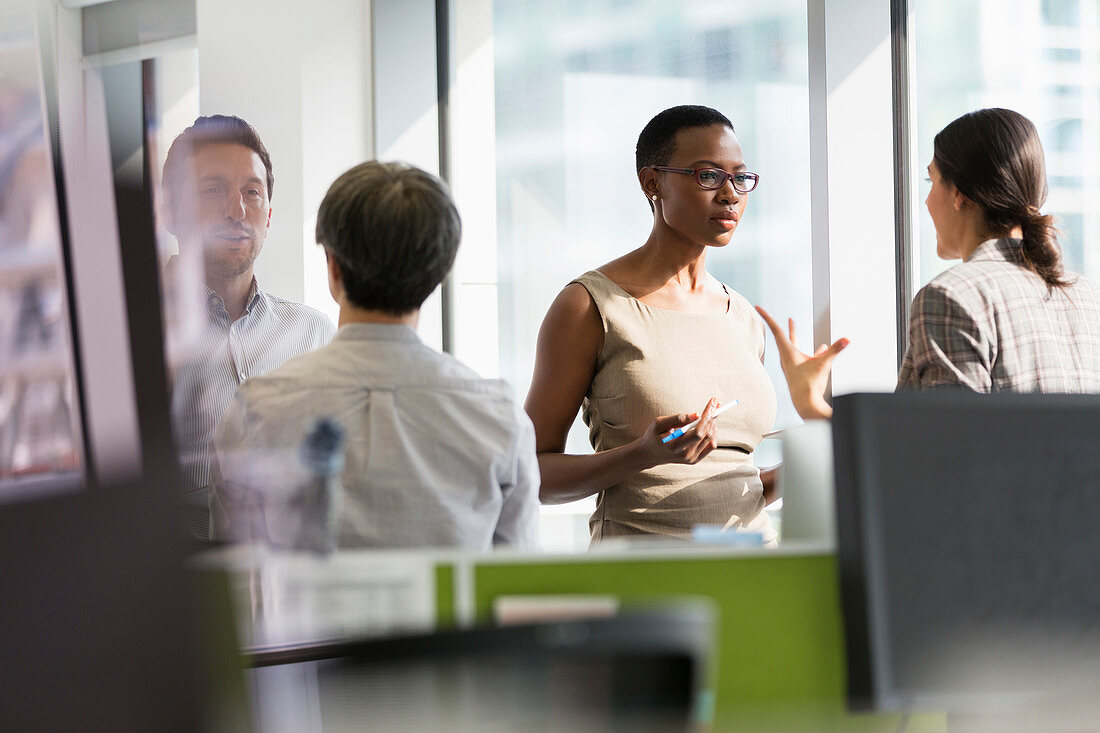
[691,447]
[807,376]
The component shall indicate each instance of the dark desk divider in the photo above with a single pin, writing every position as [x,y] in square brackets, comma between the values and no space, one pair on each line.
[968,549]
[96,622]
[643,671]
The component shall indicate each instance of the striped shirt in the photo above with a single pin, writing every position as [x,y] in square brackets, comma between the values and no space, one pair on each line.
[992,325]
[271,331]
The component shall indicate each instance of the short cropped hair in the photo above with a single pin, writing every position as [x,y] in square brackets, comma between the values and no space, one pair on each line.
[211,131]
[393,230]
[657,141]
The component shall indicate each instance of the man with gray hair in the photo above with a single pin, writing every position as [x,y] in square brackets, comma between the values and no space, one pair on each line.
[435,456]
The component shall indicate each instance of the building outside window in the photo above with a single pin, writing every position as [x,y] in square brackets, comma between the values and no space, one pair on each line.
[1039,57]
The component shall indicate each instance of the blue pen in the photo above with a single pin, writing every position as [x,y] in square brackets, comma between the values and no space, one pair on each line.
[683,429]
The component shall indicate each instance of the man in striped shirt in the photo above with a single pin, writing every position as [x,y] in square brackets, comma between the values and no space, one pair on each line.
[217,191]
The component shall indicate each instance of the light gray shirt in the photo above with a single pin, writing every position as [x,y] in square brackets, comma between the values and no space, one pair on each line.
[435,456]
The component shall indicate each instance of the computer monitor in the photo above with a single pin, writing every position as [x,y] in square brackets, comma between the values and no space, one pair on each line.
[968,549]
[642,671]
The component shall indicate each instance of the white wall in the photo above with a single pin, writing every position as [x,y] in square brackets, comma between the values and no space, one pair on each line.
[474,185]
[300,73]
[852,171]
[405,92]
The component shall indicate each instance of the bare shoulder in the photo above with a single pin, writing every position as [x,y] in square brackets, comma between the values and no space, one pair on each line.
[568,348]
[573,316]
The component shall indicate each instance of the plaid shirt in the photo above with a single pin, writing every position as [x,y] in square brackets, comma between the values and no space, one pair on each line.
[992,325]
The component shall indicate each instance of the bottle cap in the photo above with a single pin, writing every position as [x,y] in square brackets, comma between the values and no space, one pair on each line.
[323,448]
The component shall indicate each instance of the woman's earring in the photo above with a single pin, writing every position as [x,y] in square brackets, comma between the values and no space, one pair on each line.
[654,197]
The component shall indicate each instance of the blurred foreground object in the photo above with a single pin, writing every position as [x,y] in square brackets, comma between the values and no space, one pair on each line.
[967,545]
[644,671]
[806,484]
[291,503]
[97,615]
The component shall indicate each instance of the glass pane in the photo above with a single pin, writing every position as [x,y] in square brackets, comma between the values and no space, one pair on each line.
[40,433]
[1039,58]
[575,82]
[150,102]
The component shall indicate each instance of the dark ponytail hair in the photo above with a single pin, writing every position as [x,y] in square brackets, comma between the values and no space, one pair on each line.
[995,159]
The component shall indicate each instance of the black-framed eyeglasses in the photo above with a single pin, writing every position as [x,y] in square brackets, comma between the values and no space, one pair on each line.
[714,178]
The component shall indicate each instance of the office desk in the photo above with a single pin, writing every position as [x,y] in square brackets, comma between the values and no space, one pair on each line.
[779,648]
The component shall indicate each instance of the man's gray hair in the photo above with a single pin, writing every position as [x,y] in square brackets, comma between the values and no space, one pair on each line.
[393,230]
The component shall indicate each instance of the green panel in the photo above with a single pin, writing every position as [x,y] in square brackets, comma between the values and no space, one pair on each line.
[779,641]
[444,596]
[221,667]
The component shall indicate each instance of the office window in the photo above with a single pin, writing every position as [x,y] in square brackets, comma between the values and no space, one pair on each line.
[1062,12]
[573,85]
[1039,57]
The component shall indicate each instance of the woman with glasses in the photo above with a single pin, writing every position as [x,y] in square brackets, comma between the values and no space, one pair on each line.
[1009,317]
[650,345]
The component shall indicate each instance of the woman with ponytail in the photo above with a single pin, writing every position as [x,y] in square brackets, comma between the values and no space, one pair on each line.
[1009,317]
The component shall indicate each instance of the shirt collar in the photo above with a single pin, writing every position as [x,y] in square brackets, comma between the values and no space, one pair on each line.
[212,299]
[997,250]
[376,332]
[253,297]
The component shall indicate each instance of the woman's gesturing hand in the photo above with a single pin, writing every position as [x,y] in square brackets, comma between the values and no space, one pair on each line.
[807,376]
[691,447]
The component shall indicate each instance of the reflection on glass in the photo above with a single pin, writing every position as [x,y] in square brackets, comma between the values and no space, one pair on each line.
[171,104]
[574,84]
[39,433]
[220,327]
[1036,57]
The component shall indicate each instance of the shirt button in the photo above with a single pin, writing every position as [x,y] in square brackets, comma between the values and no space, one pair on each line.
[241,376]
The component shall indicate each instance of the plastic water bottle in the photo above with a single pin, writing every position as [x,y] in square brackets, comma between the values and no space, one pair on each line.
[321,499]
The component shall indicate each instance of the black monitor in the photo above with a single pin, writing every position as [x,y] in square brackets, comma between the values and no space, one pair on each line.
[642,671]
[969,549]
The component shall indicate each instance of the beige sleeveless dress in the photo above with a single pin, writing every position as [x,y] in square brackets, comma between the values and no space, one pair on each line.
[661,362]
